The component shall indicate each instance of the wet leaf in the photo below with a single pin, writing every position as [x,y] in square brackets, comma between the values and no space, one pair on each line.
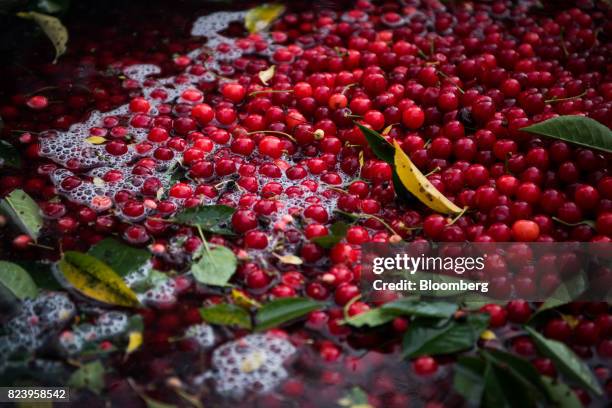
[565,293]
[122,258]
[267,74]
[416,183]
[280,311]
[95,140]
[17,280]
[242,300]
[566,360]
[579,130]
[96,280]
[215,267]
[289,259]
[53,29]
[134,341]
[355,398]
[226,314]
[9,155]
[23,212]
[468,379]
[261,17]
[402,307]
[426,338]
[211,218]
[89,376]
[561,395]
[337,233]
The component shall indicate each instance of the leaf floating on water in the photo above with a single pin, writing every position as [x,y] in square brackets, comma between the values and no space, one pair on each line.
[9,155]
[416,183]
[267,74]
[17,280]
[289,259]
[95,140]
[23,212]
[96,280]
[52,27]
[89,376]
[134,342]
[215,267]
[226,314]
[259,18]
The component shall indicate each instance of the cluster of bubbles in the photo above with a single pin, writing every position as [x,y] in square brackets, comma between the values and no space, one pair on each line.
[203,334]
[38,321]
[254,363]
[152,288]
[106,326]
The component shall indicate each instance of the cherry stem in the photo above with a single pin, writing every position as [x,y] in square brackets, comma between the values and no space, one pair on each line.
[434,171]
[569,98]
[346,88]
[456,217]
[346,307]
[574,224]
[443,75]
[41,246]
[274,132]
[265,91]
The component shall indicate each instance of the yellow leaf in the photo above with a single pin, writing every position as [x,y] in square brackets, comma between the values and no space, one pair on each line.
[361,159]
[289,259]
[415,182]
[98,182]
[242,300]
[95,140]
[96,280]
[572,321]
[386,130]
[267,74]
[53,28]
[134,342]
[488,335]
[259,18]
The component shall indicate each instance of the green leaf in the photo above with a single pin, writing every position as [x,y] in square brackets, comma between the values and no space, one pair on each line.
[89,376]
[283,310]
[9,155]
[96,280]
[336,233]
[122,258]
[522,370]
[17,280]
[52,6]
[53,29]
[495,394]
[215,267]
[259,18]
[41,273]
[575,129]
[226,314]
[561,395]
[565,359]
[23,212]
[355,398]
[565,293]
[468,379]
[379,145]
[425,337]
[211,218]
[402,307]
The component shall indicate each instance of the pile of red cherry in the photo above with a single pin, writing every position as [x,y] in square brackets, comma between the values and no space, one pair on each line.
[181,121]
